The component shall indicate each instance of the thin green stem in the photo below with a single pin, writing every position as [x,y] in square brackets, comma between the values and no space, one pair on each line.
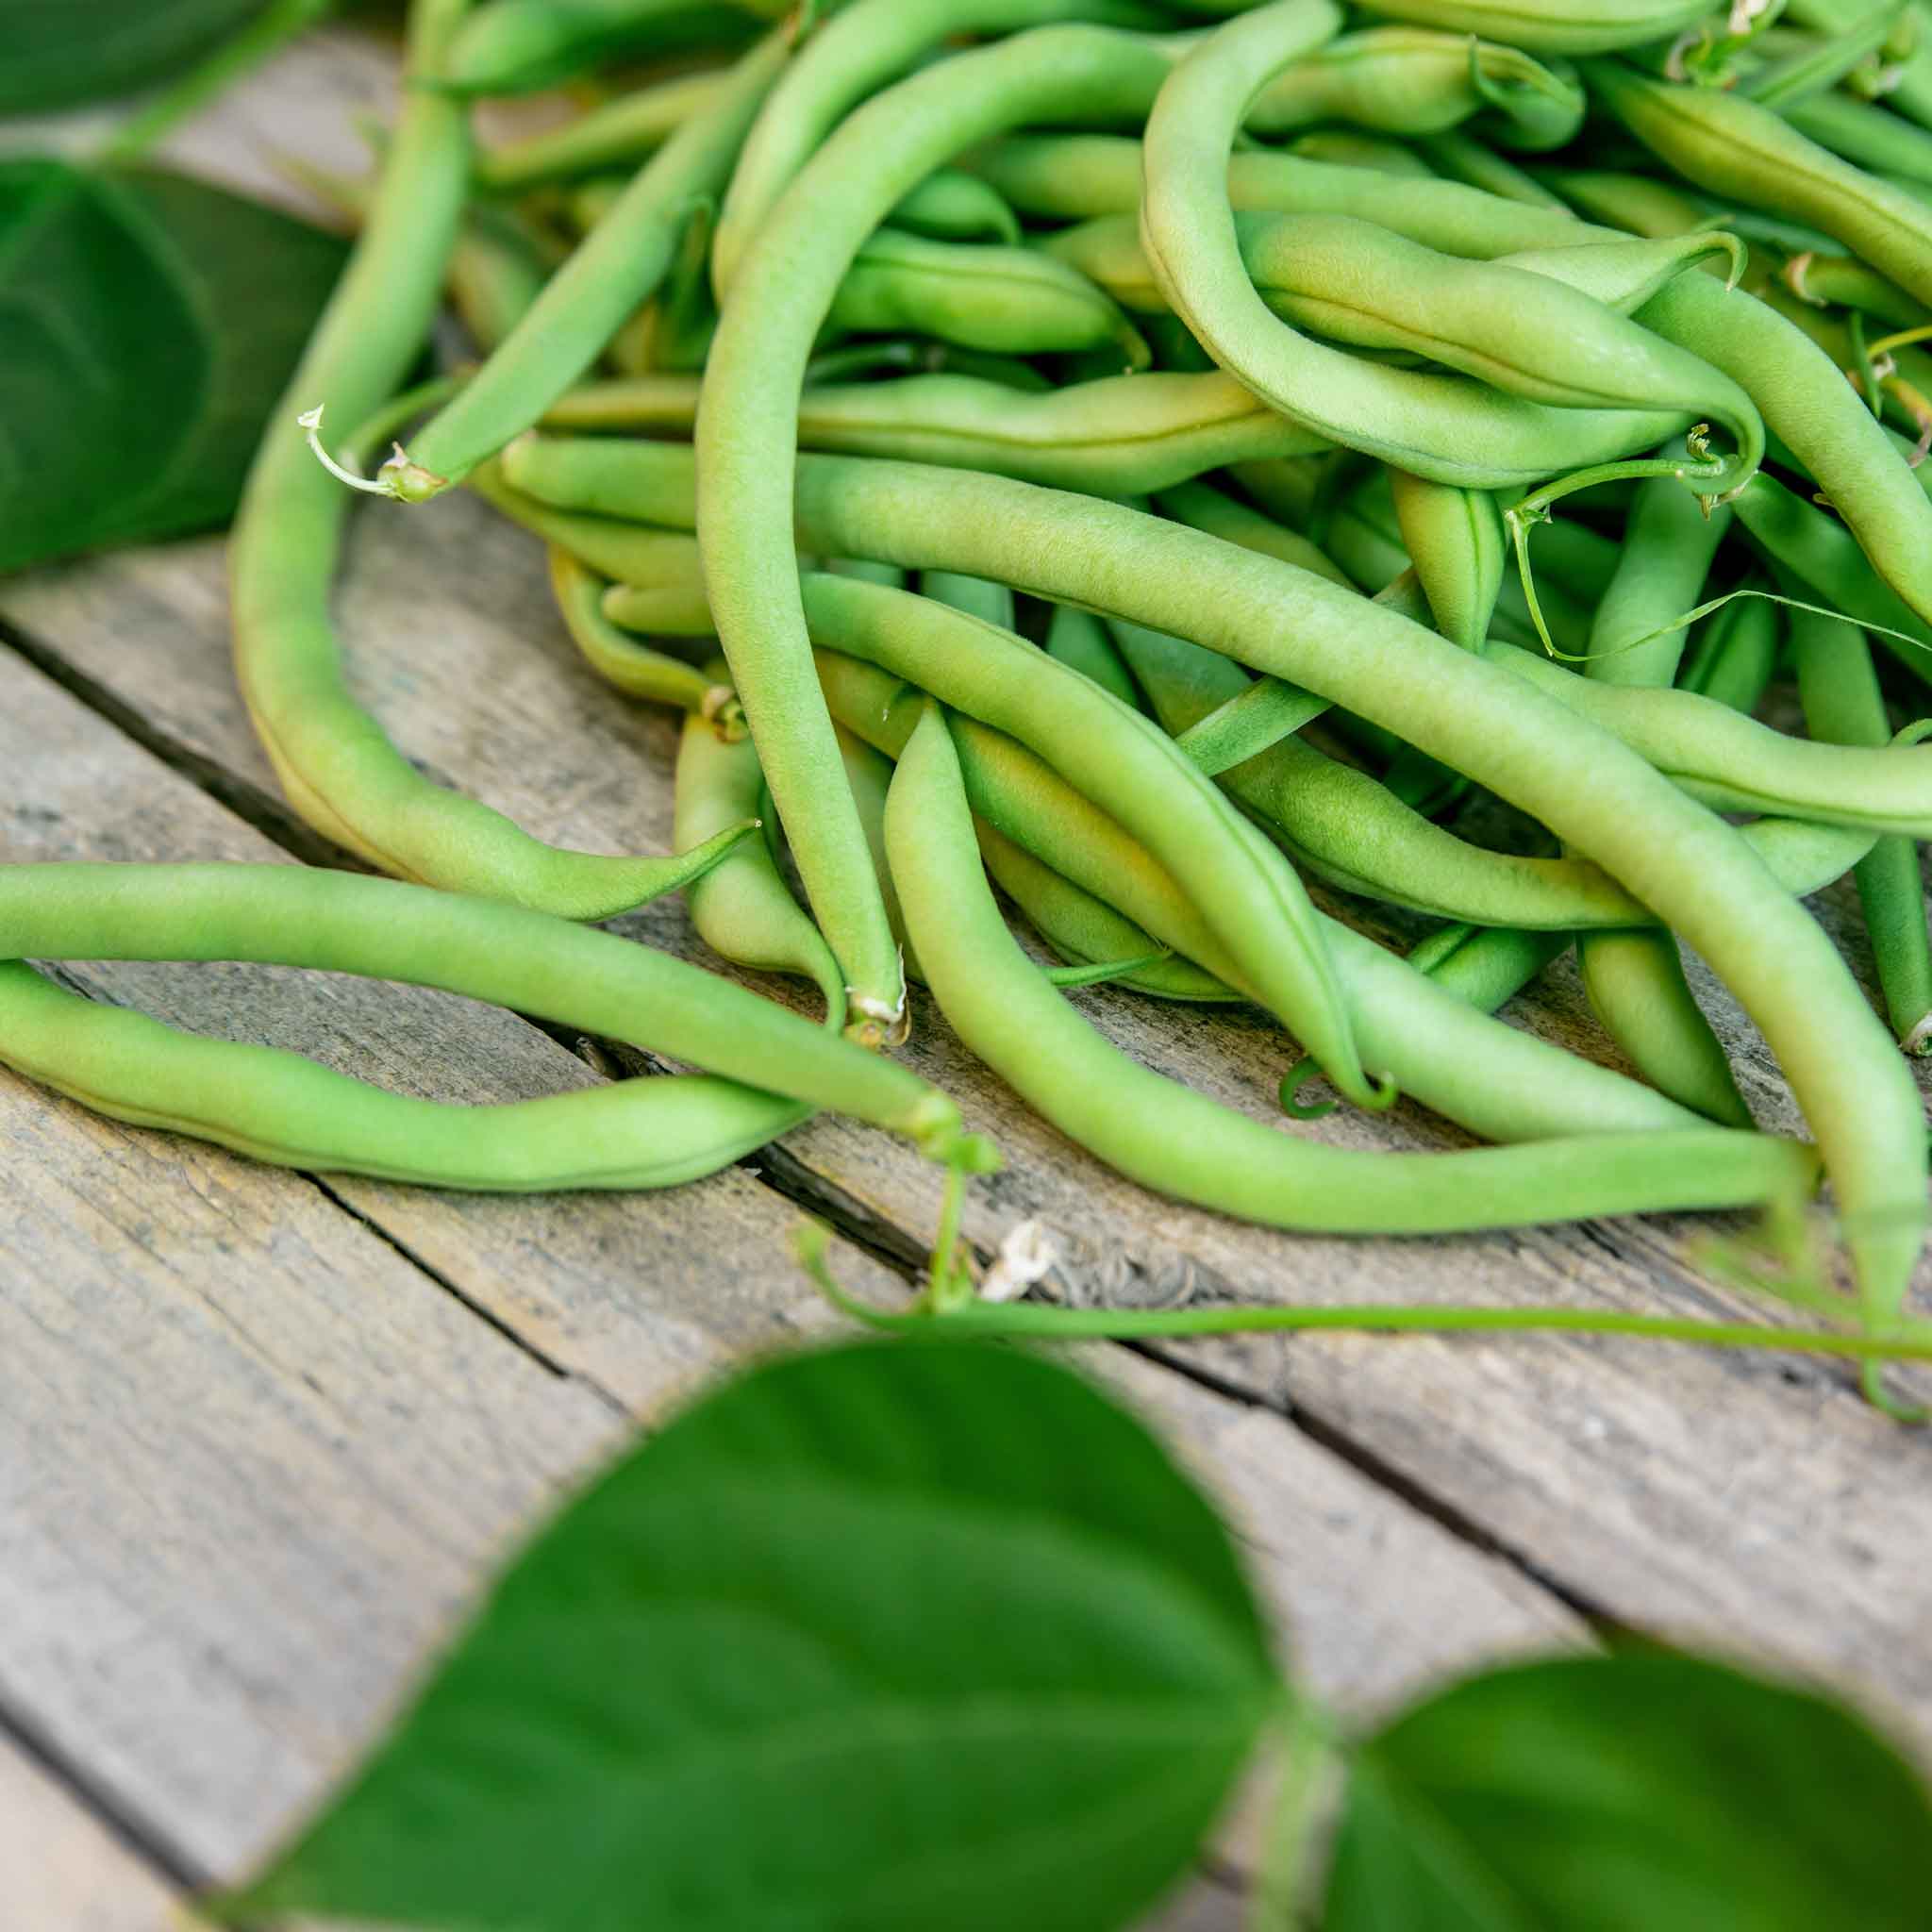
[1044,1322]
[1305,1750]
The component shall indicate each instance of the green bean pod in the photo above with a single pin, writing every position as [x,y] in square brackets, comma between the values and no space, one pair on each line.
[1013,301]
[1842,704]
[867,46]
[279,1106]
[1415,81]
[340,770]
[516,46]
[746,434]
[1552,26]
[743,908]
[1436,425]
[1456,538]
[510,957]
[1739,150]
[1517,329]
[1164,1135]
[615,269]
[618,134]
[633,668]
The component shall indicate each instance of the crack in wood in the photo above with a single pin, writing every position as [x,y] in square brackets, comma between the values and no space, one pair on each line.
[149,1846]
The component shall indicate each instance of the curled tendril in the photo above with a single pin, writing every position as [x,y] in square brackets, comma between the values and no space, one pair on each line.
[310,419]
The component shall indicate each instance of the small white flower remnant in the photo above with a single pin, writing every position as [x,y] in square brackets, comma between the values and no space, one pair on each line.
[1027,1256]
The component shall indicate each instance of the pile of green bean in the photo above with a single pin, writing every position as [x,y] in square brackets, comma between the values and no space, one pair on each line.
[1173,461]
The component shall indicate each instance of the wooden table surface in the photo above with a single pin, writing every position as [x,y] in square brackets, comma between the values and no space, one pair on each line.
[264,1436]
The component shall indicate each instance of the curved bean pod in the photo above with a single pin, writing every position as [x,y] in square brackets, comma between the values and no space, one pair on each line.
[1552,26]
[867,46]
[1415,81]
[1456,540]
[281,1108]
[633,668]
[1251,900]
[340,770]
[614,270]
[1168,1138]
[1436,425]
[1738,149]
[747,433]
[741,907]
[529,961]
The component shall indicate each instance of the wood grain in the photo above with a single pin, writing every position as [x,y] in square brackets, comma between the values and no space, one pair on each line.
[257,1448]
[61,1871]
[1754,1503]
[259,1451]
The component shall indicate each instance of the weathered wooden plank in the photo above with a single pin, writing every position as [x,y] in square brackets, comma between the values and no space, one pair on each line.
[62,1870]
[1747,1503]
[576,1276]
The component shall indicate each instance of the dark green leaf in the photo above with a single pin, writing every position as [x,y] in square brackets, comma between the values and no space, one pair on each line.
[103,364]
[259,280]
[54,53]
[1608,1794]
[148,324]
[881,1638]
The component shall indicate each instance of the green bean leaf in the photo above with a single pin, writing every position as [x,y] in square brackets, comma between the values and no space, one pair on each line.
[1602,1794]
[102,361]
[915,1635]
[147,326]
[259,279]
[88,50]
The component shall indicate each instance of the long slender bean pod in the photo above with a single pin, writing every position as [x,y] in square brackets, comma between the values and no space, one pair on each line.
[870,44]
[338,769]
[1842,703]
[281,1108]
[529,961]
[1435,425]
[746,434]
[634,668]
[615,269]
[1170,1139]
[743,908]
[1252,901]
